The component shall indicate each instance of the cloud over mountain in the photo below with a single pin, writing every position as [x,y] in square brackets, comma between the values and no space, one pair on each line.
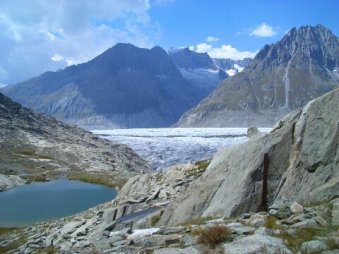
[47,36]
[263,30]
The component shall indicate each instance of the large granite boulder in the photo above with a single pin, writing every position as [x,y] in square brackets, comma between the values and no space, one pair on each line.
[303,166]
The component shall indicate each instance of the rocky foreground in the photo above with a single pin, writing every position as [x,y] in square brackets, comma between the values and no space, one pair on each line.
[228,205]
[38,147]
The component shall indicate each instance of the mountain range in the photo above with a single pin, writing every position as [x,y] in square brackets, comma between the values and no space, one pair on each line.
[129,87]
[283,76]
[124,87]
[205,72]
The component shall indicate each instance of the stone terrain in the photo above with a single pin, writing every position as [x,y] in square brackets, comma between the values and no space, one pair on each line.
[284,76]
[130,225]
[171,211]
[138,205]
[38,147]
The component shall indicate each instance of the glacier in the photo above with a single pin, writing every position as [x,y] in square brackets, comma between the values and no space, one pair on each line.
[164,147]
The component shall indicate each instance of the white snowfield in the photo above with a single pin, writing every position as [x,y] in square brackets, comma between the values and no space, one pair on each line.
[164,147]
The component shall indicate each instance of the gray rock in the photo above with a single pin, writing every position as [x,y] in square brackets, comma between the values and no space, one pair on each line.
[309,223]
[335,213]
[154,194]
[264,231]
[240,229]
[304,146]
[189,250]
[256,244]
[257,220]
[115,238]
[321,221]
[296,208]
[10,181]
[156,240]
[172,230]
[189,240]
[313,246]
[252,131]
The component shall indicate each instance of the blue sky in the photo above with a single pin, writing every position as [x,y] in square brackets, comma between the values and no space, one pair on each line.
[37,36]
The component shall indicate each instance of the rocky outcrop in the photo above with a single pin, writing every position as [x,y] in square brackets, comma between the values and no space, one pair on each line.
[302,152]
[283,76]
[36,146]
[278,231]
[9,182]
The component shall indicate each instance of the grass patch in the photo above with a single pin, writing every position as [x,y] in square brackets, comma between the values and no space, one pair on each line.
[100,177]
[154,219]
[197,231]
[294,242]
[49,250]
[202,164]
[4,230]
[271,222]
[13,245]
[215,235]
[196,221]
[199,167]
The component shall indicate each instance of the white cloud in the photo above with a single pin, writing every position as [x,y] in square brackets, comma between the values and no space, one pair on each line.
[224,51]
[37,36]
[212,39]
[57,58]
[263,30]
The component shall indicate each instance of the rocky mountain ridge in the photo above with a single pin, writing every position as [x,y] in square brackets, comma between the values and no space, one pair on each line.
[38,147]
[125,87]
[204,72]
[283,76]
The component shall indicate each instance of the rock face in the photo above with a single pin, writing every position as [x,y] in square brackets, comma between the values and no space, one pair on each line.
[282,77]
[198,69]
[232,67]
[9,182]
[303,167]
[32,145]
[204,72]
[125,86]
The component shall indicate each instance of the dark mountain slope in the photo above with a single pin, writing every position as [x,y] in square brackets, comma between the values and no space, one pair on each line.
[125,86]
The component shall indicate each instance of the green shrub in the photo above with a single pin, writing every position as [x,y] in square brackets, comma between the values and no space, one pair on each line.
[154,219]
[271,222]
[294,242]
